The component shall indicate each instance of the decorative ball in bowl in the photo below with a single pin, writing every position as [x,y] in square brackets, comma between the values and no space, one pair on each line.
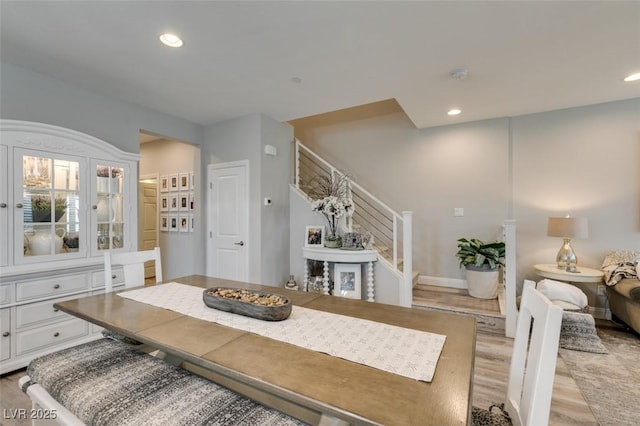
[251,303]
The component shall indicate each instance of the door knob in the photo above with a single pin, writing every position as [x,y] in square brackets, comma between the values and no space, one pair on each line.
[241,243]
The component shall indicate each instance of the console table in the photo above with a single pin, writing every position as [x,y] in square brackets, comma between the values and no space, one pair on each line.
[582,274]
[327,255]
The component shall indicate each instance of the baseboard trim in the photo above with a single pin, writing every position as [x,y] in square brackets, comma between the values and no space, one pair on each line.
[442,282]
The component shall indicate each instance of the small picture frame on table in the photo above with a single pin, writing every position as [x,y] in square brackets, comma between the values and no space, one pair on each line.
[314,236]
[346,280]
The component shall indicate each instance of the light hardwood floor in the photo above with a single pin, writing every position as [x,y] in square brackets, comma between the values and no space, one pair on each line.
[493,354]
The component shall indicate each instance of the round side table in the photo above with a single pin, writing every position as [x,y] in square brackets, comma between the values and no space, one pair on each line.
[582,274]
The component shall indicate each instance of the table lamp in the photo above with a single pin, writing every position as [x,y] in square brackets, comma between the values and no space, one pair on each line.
[567,228]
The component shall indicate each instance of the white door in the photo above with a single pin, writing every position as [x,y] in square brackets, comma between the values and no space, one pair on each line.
[228,221]
[148,220]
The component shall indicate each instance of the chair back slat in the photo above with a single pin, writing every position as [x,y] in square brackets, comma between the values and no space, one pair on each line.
[133,267]
[533,363]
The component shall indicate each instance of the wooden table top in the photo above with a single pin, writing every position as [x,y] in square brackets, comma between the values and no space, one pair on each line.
[318,382]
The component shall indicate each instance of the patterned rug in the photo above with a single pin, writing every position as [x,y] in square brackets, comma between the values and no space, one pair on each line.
[609,382]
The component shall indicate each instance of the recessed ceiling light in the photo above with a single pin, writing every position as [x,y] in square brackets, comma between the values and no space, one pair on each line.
[633,77]
[454,111]
[171,40]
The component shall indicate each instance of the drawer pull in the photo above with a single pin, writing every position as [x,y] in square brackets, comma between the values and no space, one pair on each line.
[56,334]
[3,205]
[19,205]
[57,286]
[113,277]
[6,334]
[94,207]
[55,310]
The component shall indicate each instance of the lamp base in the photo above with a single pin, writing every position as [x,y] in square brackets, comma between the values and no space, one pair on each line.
[566,258]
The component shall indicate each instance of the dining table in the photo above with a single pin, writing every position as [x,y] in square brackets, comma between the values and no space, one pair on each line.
[310,384]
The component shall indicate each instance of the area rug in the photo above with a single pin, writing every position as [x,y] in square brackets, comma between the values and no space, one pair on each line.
[610,383]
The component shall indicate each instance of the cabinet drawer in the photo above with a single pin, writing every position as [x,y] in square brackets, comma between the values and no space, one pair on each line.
[42,337]
[5,294]
[34,313]
[5,334]
[52,286]
[97,278]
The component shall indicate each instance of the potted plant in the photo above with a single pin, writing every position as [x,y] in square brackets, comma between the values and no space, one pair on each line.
[41,208]
[482,262]
[331,196]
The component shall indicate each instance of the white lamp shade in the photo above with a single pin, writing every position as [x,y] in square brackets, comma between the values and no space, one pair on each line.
[568,227]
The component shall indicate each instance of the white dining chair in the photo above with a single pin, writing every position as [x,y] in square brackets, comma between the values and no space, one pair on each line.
[533,365]
[133,266]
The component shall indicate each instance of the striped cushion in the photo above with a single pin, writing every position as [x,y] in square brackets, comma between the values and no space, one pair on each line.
[106,382]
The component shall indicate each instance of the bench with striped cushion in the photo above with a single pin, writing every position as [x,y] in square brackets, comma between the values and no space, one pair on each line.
[106,382]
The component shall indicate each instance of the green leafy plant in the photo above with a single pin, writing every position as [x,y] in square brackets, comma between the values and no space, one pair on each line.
[41,208]
[479,254]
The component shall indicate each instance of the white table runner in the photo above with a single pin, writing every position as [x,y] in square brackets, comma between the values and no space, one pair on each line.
[403,351]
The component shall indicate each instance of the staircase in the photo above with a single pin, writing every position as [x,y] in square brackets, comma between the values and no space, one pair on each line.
[391,231]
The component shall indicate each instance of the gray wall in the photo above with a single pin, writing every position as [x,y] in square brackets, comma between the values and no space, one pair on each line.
[582,161]
[31,96]
[244,138]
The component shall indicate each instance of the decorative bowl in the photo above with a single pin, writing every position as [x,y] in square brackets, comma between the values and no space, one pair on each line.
[251,303]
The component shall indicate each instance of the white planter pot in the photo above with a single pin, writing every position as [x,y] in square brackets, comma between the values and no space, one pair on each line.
[483,284]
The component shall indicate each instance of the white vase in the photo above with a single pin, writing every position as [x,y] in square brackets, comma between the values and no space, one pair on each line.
[40,243]
[483,284]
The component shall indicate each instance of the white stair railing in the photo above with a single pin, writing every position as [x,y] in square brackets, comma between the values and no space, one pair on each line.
[391,230]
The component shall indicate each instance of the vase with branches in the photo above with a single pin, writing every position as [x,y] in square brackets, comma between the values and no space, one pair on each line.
[331,197]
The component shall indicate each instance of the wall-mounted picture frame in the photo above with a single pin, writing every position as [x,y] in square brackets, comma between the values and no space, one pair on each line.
[173,202]
[164,183]
[192,202]
[173,182]
[183,181]
[183,222]
[164,222]
[173,223]
[192,223]
[183,202]
[347,280]
[192,181]
[164,203]
[314,236]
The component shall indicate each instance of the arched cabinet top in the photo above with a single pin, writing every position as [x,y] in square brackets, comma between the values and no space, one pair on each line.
[47,137]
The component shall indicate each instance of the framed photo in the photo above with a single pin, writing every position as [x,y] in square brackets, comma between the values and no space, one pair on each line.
[192,181]
[164,222]
[192,203]
[192,223]
[346,280]
[164,183]
[183,222]
[164,203]
[183,202]
[173,202]
[173,182]
[173,223]
[314,236]
[183,181]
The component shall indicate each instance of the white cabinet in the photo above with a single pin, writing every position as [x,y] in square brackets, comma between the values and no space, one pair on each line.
[65,198]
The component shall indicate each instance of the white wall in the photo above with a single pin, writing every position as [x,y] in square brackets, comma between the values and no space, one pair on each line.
[182,253]
[582,161]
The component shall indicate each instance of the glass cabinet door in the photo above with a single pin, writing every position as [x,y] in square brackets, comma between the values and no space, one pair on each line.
[51,221]
[109,206]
